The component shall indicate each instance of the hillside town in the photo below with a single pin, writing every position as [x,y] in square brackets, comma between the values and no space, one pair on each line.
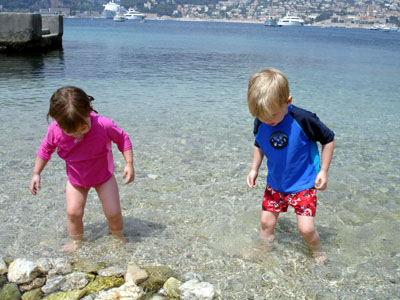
[340,13]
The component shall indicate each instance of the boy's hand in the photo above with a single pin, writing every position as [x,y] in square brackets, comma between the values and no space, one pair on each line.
[129,173]
[321,181]
[34,186]
[251,179]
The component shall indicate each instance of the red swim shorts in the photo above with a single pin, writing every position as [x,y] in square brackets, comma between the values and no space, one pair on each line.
[304,202]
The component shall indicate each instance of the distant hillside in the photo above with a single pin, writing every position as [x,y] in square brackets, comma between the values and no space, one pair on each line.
[82,5]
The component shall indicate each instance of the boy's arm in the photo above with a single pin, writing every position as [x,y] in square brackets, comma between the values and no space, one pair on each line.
[129,171]
[322,178]
[34,186]
[258,156]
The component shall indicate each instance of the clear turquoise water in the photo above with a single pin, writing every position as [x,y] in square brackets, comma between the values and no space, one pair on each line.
[179,89]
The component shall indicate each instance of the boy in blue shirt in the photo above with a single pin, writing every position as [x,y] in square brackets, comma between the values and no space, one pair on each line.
[287,136]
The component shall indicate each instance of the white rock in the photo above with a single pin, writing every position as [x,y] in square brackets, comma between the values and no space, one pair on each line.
[127,291]
[60,266]
[22,270]
[3,267]
[152,176]
[112,271]
[74,281]
[194,290]
[44,265]
[53,284]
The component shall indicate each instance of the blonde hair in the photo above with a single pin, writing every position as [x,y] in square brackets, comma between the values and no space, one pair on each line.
[268,91]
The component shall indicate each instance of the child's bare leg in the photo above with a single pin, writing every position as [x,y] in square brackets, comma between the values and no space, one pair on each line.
[267,235]
[268,223]
[76,201]
[311,237]
[109,197]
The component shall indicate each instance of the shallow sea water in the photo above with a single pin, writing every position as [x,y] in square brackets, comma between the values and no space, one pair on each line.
[179,89]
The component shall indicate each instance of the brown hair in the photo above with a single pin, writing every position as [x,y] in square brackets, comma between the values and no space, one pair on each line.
[70,106]
[268,91]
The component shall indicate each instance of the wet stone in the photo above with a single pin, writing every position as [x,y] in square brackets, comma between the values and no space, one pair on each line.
[34,284]
[3,267]
[88,266]
[22,270]
[158,275]
[32,295]
[171,287]
[10,291]
[60,266]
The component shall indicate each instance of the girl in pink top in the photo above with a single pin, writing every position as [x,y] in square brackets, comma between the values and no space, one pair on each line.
[83,139]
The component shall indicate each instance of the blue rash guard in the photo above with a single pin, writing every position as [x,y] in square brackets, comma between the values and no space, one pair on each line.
[290,147]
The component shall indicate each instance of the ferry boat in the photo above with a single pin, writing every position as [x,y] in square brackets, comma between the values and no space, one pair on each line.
[291,20]
[111,9]
[133,14]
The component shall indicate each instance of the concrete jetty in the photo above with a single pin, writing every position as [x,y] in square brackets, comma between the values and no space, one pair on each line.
[30,33]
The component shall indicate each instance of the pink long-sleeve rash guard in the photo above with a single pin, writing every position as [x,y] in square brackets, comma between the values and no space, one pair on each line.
[89,160]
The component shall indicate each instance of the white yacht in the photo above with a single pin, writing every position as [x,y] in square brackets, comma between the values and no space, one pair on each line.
[111,9]
[133,14]
[291,20]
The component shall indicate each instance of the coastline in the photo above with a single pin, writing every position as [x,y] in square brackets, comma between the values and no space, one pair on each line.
[322,24]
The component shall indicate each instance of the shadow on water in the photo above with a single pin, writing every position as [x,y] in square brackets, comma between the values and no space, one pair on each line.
[134,228]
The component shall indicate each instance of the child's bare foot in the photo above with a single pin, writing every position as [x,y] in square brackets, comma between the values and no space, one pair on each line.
[258,249]
[73,244]
[119,236]
[320,256]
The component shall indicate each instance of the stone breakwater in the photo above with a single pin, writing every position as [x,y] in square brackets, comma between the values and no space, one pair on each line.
[60,278]
[27,33]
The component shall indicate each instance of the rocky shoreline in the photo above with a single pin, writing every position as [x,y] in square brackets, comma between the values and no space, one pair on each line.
[62,279]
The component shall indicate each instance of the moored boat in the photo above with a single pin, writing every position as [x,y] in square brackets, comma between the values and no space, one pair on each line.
[291,20]
[111,9]
[133,14]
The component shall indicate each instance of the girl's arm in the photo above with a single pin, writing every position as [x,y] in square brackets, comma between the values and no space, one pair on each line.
[129,170]
[322,178]
[40,163]
[258,156]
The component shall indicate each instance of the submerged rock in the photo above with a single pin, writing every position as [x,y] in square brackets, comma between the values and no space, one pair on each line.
[70,295]
[171,287]
[22,270]
[10,291]
[103,283]
[194,290]
[76,281]
[3,267]
[53,284]
[33,295]
[88,266]
[34,284]
[158,275]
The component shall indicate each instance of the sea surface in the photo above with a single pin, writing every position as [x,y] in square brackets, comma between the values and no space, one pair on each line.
[179,90]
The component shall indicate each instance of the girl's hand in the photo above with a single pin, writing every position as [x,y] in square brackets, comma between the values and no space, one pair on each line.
[321,181]
[129,173]
[251,179]
[35,184]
